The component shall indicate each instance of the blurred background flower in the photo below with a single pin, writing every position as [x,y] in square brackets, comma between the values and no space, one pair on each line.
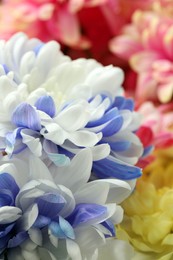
[146,44]
[148,222]
[84,28]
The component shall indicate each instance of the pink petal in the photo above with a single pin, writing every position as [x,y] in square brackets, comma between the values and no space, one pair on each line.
[165,92]
[146,87]
[143,61]
[124,46]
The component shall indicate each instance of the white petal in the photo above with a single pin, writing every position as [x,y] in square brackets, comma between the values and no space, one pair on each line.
[115,249]
[88,239]
[6,86]
[100,151]
[9,214]
[68,196]
[118,215]
[28,245]
[53,240]
[74,117]
[29,217]
[73,250]
[54,133]
[92,193]
[28,255]
[99,111]
[16,168]
[35,235]
[84,138]
[106,79]
[32,142]
[27,62]
[38,169]
[119,190]
[76,173]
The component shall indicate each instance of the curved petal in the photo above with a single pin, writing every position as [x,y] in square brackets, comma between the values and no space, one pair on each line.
[26,116]
[74,117]
[75,174]
[62,229]
[47,105]
[73,250]
[8,182]
[112,167]
[84,138]
[32,140]
[9,214]
[85,212]
[17,239]
[57,158]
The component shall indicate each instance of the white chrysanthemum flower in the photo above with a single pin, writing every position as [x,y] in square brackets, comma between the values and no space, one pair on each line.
[57,214]
[54,107]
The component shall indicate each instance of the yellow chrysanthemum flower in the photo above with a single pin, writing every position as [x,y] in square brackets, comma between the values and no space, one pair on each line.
[148,222]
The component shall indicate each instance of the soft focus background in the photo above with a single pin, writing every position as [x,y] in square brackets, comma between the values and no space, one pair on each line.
[136,35]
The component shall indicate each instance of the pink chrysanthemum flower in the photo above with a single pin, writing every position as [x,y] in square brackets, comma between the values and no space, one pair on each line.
[46,19]
[147,45]
[83,27]
[160,121]
[156,131]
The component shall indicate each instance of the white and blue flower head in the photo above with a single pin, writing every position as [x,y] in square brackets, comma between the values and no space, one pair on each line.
[57,214]
[55,107]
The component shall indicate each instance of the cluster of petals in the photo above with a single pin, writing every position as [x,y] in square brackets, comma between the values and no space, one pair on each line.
[69,145]
[55,213]
[55,107]
[76,24]
[147,45]
[158,121]
[148,212]
[47,20]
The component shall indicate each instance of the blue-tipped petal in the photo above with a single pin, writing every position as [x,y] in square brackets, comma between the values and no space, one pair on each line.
[119,146]
[129,104]
[26,116]
[62,229]
[7,182]
[105,118]
[12,136]
[85,212]
[110,226]
[18,239]
[42,221]
[46,104]
[108,168]
[14,143]
[113,126]
[50,204]
[123,103]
